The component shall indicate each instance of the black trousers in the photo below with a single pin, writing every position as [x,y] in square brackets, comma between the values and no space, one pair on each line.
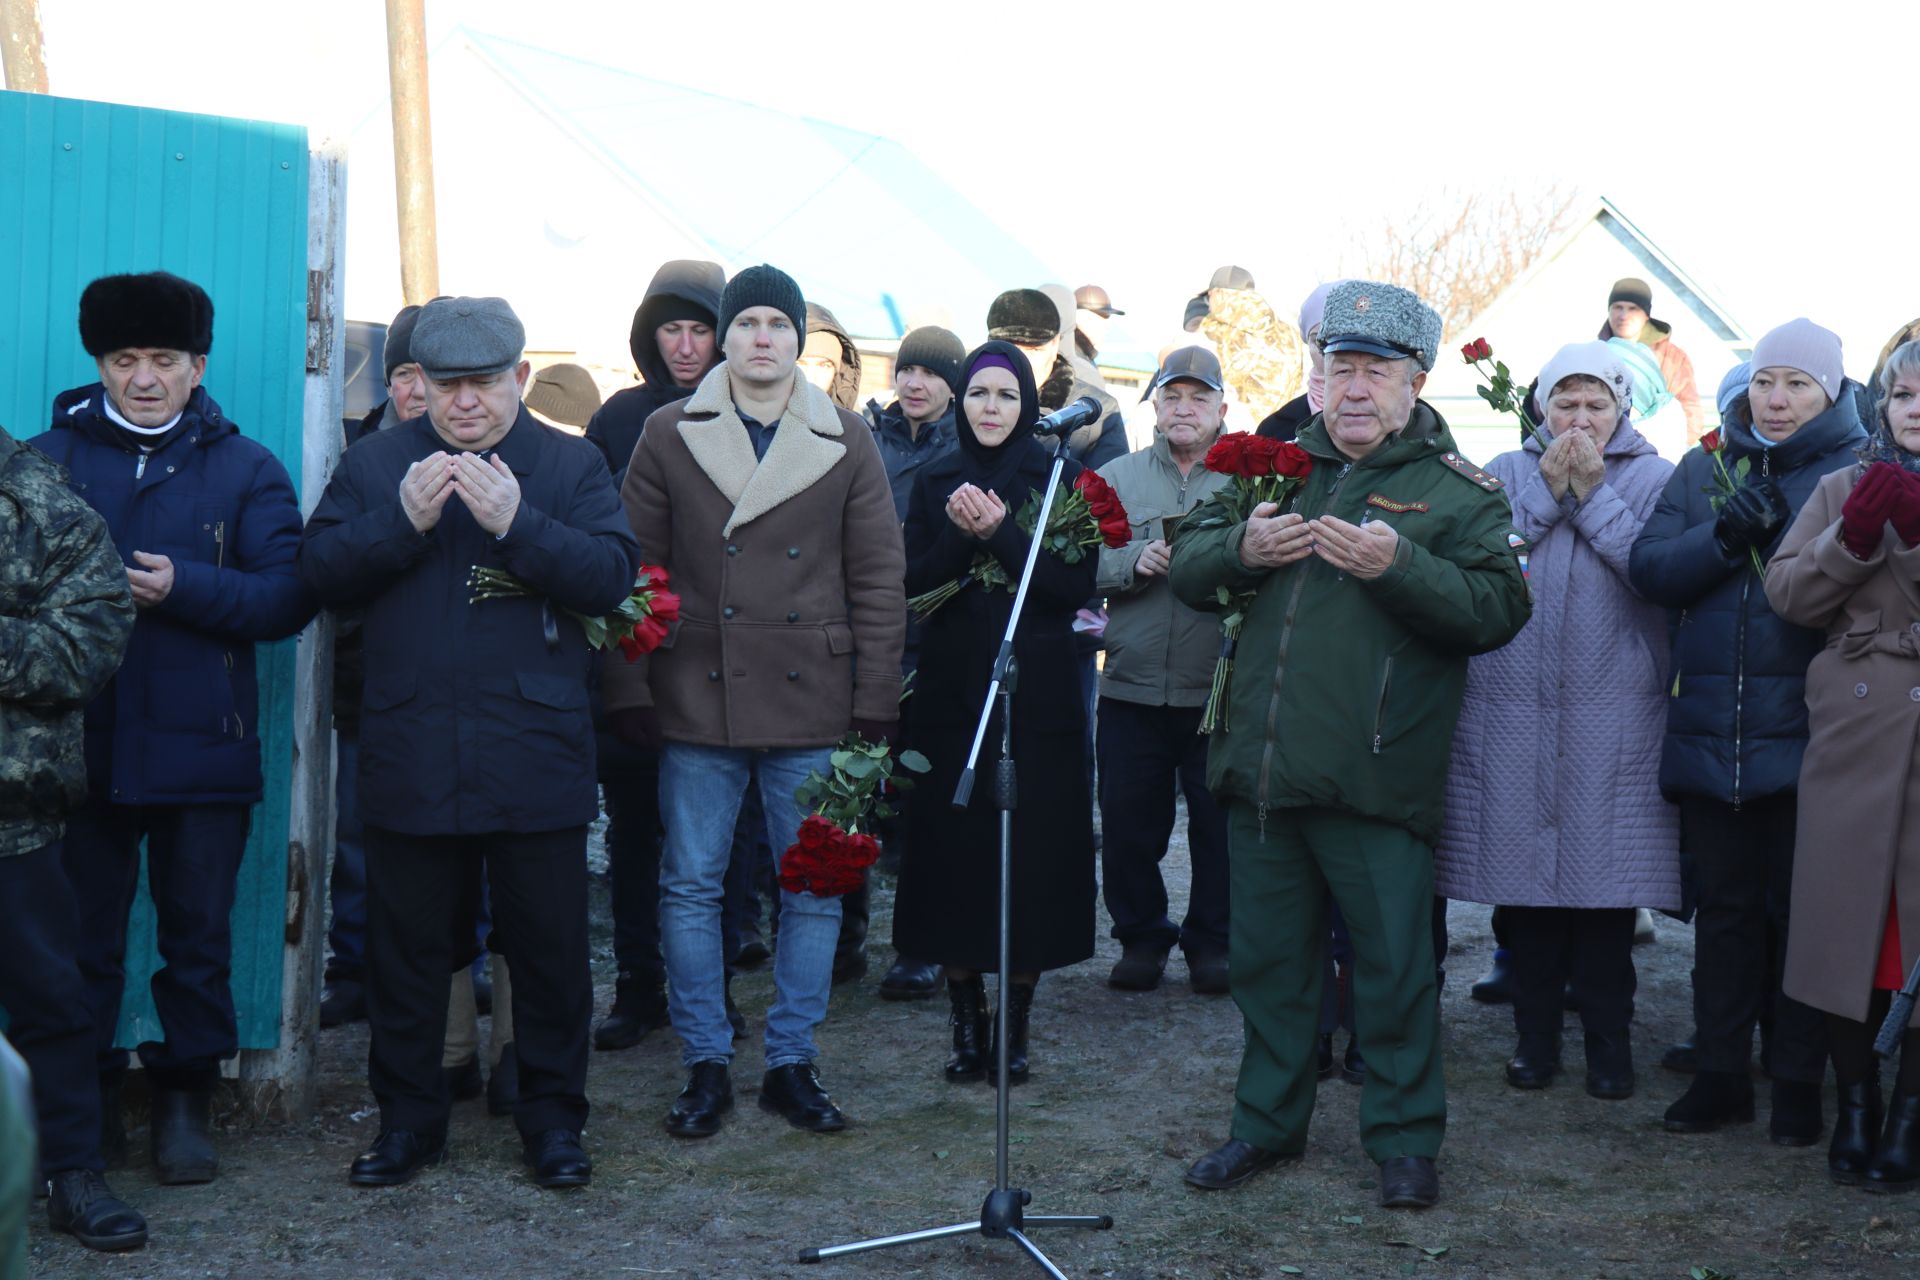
[632,802]
[1743,876]
[422,892]
[193,867]
[1590,946]
[1145,753]
[44,995]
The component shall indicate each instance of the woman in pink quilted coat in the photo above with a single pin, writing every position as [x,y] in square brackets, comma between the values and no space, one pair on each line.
[1553,798]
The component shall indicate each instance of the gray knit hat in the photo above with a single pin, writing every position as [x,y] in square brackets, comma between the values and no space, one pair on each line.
[763,286]
[932,347]
[1801,344]
[1382,319]
[466,338]
[563,393]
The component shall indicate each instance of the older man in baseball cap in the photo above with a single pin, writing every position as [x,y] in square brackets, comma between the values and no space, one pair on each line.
[476,741]
[1386,570]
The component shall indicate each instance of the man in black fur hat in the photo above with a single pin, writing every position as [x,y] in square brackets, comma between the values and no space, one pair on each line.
[208,526]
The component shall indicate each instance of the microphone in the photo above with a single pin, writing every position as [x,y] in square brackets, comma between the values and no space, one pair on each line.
[1070,418]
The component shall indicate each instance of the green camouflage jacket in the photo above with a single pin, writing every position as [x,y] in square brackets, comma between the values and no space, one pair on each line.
[65,616]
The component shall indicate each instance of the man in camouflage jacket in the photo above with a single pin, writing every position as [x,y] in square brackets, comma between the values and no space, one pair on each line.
[65,616]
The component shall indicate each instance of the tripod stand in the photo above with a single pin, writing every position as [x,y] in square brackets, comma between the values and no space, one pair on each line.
[1003,1216]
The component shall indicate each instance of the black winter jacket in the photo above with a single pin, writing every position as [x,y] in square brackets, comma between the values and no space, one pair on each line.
[475,716]
[1737,714]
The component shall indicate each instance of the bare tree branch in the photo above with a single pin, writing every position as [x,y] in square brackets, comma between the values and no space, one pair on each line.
[1461,250]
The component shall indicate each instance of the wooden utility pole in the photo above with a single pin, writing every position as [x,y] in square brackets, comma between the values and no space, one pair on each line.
[412,148]
[22,49]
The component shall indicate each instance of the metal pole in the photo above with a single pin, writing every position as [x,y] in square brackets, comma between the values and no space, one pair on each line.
[412,149]
[22,46]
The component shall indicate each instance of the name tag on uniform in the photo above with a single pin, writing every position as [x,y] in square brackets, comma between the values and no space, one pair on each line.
[1385,503]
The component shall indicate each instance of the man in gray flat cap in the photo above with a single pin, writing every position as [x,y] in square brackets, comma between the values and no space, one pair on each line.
[1389,567]
[476,741]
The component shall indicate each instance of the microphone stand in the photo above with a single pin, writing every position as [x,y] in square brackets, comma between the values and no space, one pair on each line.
[1002,1216]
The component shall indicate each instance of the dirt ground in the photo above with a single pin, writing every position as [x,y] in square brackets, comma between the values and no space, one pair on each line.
[1127,1089]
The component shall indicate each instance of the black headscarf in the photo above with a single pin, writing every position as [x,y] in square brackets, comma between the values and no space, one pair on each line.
[993,466]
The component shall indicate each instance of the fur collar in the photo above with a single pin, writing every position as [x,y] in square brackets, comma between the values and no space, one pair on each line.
[805,446]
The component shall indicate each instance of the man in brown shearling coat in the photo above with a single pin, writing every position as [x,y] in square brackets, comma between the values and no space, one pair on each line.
[770,510]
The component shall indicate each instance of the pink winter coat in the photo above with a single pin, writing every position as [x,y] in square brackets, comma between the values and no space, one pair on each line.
[1553,790]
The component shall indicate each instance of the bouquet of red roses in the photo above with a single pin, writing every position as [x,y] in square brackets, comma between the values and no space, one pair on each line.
[637,627]
[1087,515]
[1263,470]
[830,855]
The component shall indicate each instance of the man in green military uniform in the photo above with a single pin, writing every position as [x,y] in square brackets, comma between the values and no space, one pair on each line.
[66,612]
[1390,567]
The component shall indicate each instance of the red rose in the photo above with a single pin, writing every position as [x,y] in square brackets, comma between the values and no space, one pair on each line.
[649,632]
[651,575]
[664,605]
[1224,457]
[1116,531]
[862,850]
[1292,461]
[1257,457]
[1477,350]
[1711,441]
[631,648]
[798,866]
[817,834]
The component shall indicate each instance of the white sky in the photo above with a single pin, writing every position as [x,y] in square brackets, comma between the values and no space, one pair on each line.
[1765,146]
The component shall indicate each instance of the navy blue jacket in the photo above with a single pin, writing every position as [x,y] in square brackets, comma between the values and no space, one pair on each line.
[179,724]
[904,452]
[474,716]
[1737,717]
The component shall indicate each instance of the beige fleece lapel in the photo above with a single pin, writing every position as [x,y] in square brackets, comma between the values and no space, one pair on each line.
[805,447]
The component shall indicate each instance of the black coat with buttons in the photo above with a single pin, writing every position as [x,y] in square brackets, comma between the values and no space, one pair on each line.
[180,724]
[1737,715]
[474,716]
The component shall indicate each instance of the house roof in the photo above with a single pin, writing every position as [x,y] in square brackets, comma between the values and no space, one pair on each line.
[867,228]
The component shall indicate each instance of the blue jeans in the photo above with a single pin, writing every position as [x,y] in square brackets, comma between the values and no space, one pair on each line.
[700,793]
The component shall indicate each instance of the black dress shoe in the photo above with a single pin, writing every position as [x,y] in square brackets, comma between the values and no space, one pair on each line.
[81,1204]
[1796,1120]
[1496,985]
[1409,1182]
[849,966]
[753,951]
[1535,1062]
[464,1082]
[344,1000]
[1353,1067]
[639,1009]
[709,1095]
[794,1092]
[1609,1065]
[910,980]
[1230,1165]
[395,1157]
[557,1159]
[1714,1098]
[503,1089]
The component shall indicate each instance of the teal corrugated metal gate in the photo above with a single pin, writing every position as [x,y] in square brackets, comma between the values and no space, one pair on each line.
[90,189]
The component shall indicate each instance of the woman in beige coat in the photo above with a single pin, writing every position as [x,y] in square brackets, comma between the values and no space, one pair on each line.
[1851,565]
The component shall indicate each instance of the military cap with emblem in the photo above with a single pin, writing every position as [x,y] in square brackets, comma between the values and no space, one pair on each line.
[1381,319]
[1190,364]
[466,338]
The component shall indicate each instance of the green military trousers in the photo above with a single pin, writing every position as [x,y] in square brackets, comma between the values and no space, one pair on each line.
[1382,877]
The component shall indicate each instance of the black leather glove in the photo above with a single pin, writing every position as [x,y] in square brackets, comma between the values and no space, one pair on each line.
[1751,516]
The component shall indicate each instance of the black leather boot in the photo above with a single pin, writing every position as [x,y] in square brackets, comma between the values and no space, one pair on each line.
[1796,1120]
[82,1204]
[1609,1064]
[1019,1000]
[1535,1061]
[1896,1161]
[972,1030]
[639,1008]
[182,1148]
[1856,1126]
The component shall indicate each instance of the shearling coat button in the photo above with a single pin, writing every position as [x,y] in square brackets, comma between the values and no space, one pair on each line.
[795,675]
[1860,690]
[793,616]
[727,612]
[714,676]
[793,553]
[732,550]
[1914,694]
